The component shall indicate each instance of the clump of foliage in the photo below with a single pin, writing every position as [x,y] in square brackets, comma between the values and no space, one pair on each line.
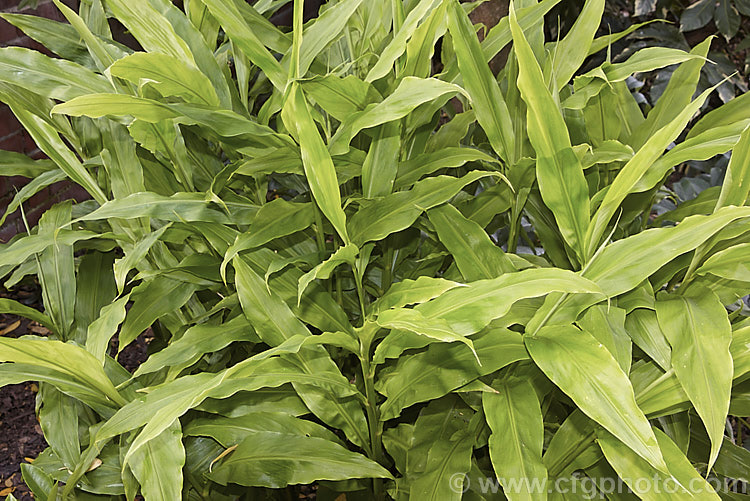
[726,15]
[360,273]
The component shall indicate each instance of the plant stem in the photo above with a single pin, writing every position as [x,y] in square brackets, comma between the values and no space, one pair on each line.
[513,235]
[374,424]
[360,293]
[319,235]
[387,270]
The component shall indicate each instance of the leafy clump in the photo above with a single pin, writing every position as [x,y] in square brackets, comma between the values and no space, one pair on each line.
[393,282]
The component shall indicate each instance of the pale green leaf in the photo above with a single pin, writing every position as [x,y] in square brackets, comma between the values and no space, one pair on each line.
[270,459]
[585,370]
[319,169]
[698,329]
[515,418]
[558,170]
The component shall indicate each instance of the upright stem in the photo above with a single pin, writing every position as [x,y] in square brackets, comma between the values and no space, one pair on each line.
[319,235]
[374,423]
[360,293]
[387,270]
[513,235]
[515,221]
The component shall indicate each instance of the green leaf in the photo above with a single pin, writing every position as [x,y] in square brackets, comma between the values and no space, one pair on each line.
[736,185]
[607,325]
[120,160]
[232,431]
[730,263]
[704,203]
[95,288]
[672,484]
[103,52]
[438,452]
[57,270]
[585,370]
[413,321]
[648,59]
[412,170]
[180,207]
[52,78]
[224,123]
[381,164]
[18,164]
[572,447]
[731,113]
[12,307]
[275,323]
[558,170]
[632,171]
[180,80]
[469,309]
[701,147]
[319,169]
[486,98]
[569,53]
[246,37]
[203,21]
[727,19]
[275,219]
[58,418]
[410,93]
[295,343]
[697,15]
[151,301]
[698,329]
[20,250]
[515,418]
[101,330]
[607,152]
[398,211]
[733,460]
[396,47]
[450,134]
[657,393]
[37,479]
[269,315]
[675,97]
[623,265]
[324,30]
[345,254]
[317,308]
[416,291]
[643,328]
[99,105]
[60,38]
[444,367]
[528,15]
[135,255]
[151,28]
[476,255]
[340,97]
[74,363]
[195,342]
[48,140]
[421,47]
[17,373]
[158,465]
[269,459]
[165,403]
